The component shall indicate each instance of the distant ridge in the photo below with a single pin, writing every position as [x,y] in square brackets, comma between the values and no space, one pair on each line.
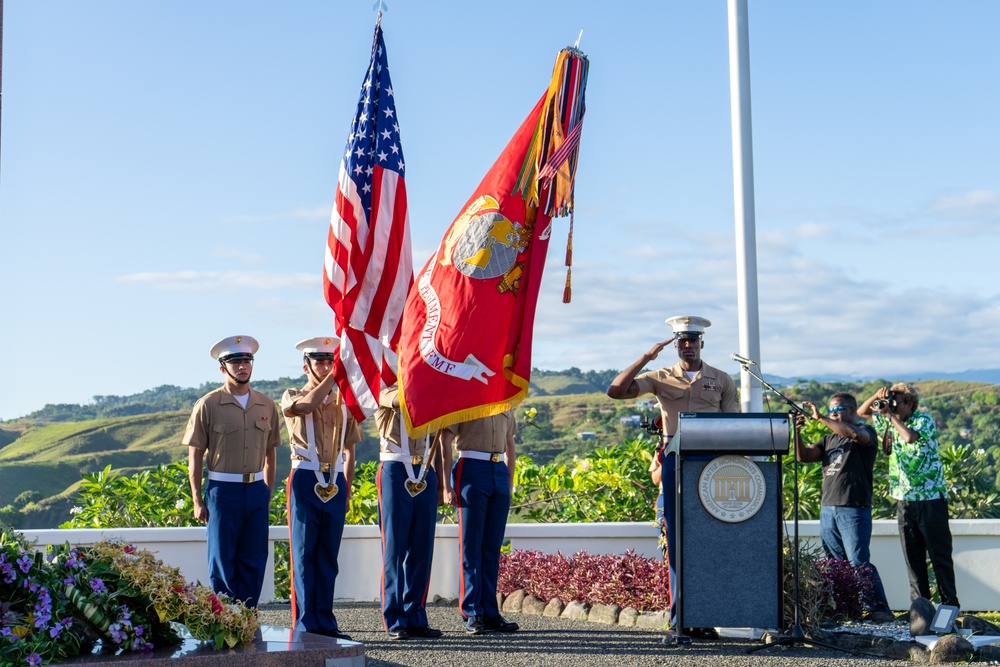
[543,383]
[989,375]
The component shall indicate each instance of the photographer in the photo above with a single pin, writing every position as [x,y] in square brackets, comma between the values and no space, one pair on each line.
[916,481]
[845,520]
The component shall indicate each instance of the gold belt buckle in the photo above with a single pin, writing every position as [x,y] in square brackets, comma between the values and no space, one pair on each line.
[496,457]
[248,477]
[417,460]
[324,467]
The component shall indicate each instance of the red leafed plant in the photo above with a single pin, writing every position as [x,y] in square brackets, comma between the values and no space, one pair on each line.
[627,581]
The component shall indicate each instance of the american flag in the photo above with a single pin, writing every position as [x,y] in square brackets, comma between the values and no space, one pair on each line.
[368,268]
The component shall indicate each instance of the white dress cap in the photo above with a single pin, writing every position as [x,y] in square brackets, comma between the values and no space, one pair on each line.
[324,347]
[235,346]
[688,326]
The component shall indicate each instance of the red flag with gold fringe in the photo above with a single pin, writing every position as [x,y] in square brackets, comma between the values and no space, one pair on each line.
[465,348]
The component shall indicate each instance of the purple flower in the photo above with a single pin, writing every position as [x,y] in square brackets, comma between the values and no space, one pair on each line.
[5,632]
[138,631]
[25,564]
[117,636]
[56,629]
[8,572]
[69,581]
[33,659]
[97,585]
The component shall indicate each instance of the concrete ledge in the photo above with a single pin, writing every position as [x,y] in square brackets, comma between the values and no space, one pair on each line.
[976,551]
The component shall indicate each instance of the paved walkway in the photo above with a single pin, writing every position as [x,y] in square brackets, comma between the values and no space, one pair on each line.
[556,642]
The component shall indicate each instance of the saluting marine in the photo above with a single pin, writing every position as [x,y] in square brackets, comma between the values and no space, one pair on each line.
[690,385]
[322,436]
[236,428]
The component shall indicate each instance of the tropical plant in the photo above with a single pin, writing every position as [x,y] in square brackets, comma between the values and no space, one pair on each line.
[828,589]
[609,484]
[628,581]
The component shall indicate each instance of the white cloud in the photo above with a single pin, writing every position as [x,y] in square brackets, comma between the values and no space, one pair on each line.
[971,205]
[815,318]
[221,280]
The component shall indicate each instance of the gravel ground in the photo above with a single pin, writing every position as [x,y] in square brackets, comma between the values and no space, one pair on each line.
[556,641]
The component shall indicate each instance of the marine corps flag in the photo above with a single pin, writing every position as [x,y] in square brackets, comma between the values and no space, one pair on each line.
[465,348]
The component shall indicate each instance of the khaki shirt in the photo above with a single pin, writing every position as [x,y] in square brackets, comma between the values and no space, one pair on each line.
[488,434]
[711,391]
[236,439]
[326,420]
[387,422]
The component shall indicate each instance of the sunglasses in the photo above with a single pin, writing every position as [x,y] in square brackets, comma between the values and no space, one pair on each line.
[838,408]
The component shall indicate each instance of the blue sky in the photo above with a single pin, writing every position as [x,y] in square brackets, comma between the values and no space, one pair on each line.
[167,172]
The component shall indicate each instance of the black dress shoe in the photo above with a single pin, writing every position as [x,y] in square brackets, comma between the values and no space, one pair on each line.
[702,633]
[398,634]
[474,626]
[500,624]
[426,632]
[336,634]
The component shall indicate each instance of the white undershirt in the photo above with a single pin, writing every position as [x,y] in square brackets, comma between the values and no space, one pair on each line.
[244,399]
[691,374]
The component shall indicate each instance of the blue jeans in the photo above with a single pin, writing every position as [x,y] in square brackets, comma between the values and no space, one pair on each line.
[846,533]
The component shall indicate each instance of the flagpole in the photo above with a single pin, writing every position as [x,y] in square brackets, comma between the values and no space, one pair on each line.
[751,394]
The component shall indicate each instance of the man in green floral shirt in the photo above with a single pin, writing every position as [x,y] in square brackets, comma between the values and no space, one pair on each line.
[916,481]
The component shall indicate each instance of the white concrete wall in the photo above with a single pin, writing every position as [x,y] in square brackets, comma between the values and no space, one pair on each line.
[976,553]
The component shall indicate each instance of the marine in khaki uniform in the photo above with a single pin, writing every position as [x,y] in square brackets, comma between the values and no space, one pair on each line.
[690,385]
[483,478]
[408,496]
[322,435]
[235,429]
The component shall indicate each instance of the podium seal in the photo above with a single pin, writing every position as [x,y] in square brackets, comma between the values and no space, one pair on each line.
[731,488]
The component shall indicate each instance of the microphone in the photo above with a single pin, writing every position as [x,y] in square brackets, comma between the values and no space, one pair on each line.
[742,360]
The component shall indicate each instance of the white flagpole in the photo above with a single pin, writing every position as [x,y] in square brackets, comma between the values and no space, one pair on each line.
[751,392]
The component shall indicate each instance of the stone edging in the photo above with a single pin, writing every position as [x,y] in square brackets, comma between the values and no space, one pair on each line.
[519,602]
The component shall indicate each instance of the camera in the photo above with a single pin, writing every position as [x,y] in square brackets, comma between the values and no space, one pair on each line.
[885,404]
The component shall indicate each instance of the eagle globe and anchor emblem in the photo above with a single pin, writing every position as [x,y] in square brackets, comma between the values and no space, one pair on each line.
[732,488]
[484,244]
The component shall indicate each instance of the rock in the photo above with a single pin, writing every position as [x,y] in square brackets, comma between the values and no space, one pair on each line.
[918,653]
[989,653]
[627,616]
[513,601]
[576,611]
[952,648]
[978,625]
[921,614]
[554,608]
[532,605]
[658,620]
[900,650]
[604,613]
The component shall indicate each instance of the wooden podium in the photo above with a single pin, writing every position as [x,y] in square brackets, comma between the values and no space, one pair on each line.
[729,519]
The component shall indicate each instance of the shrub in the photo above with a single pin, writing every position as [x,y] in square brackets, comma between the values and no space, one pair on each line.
[828,589]
[628,581]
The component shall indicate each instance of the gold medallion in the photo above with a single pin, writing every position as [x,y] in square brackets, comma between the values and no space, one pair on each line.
[325,492]
[413,488]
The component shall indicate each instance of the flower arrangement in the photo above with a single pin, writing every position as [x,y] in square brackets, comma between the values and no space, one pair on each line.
[60,604]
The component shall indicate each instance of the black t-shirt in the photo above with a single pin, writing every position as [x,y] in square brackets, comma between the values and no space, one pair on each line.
[847,470]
